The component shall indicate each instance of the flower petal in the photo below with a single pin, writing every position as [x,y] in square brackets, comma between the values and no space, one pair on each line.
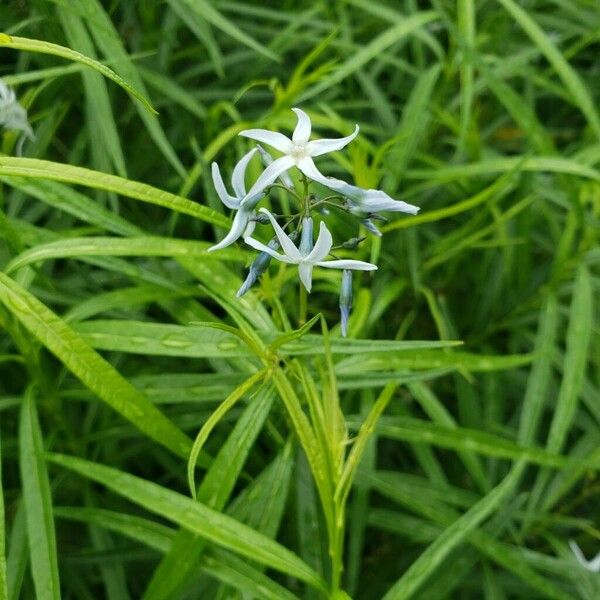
[303,127]
[226,199]
[355,265]
[267,159]
[264,248]
[239,172]
[318,147]
[305,270]
[286,244]
[322,246]
[272,138]
[308,167]
[267,177]
[237,228]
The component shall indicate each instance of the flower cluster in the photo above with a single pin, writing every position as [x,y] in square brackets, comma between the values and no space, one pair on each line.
[299,152]
[13,115]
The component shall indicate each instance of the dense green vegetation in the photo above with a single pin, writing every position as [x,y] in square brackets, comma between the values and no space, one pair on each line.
[391,464]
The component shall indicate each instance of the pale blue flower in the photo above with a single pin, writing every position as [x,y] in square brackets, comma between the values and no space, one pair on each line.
[367,201]
[306,257]
[298,151]
[242,222]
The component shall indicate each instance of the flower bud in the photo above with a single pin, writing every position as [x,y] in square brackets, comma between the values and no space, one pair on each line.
[345,300]
[257,268]
[306,238]
[370,226]
[352,243]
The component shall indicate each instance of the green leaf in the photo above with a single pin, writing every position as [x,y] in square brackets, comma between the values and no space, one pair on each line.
[3,571]
[29,45]
[413,126]
[104,139]
[109,41]
[491,166]
[465,16]
[422,359]
[68,200]
[18,555]
[372,50]
[202,9]
[89,367]
[578,338]
[38,503]
[212,421]
[429,561]
[204,340]
[44,169]
[150,533]
[195,517]
[498,188]
[113,246]
[541,371]
[180,564]
[224,566]
[460,438]
[568,75]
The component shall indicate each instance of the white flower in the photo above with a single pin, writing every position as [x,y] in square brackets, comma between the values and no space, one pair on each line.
[242,221]
[298,151]
[12,114]
[306,257]
[591,565]
[369,201]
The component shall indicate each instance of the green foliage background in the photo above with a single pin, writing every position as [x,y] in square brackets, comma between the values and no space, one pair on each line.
[120,336]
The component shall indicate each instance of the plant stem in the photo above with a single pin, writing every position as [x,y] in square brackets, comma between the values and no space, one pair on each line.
[302,311]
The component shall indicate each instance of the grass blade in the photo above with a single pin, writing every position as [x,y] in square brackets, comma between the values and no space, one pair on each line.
[43,169]
[3,569]
[38,504]
[568,75]
[29,45]
[578,338]
[454,535]
[90,368]
[112,246]
[195,517]
[212,421]
[370,51]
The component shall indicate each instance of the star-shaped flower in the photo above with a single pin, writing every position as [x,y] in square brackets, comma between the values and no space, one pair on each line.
[306,257]
[242,223]
[298,151]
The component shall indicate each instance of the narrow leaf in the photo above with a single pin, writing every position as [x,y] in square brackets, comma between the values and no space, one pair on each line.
[38,504]
[194,516]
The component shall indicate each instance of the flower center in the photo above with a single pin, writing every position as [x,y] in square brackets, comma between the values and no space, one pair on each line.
[298,151]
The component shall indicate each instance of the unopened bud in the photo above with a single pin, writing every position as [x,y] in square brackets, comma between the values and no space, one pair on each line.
[370,226]
[352,243]
[306,237]
[345,300]
[257,268]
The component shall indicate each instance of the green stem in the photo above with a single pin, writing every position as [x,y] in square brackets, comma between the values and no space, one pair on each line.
[302,311]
